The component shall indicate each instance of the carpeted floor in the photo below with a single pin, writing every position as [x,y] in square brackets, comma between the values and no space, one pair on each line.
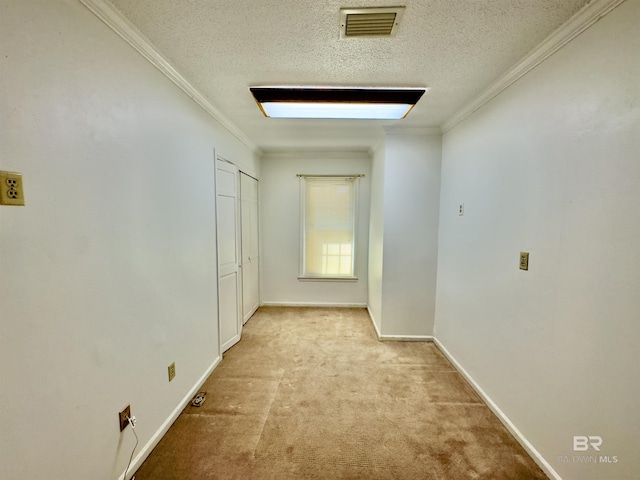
[310,393]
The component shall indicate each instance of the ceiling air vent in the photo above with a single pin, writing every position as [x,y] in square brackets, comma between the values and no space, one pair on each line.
[369,22]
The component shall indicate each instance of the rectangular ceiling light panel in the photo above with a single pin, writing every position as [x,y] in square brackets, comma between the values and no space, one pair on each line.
[336,103]
[370,22]
[353,111]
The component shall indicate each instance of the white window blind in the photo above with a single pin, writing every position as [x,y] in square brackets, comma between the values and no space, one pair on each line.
[328,227]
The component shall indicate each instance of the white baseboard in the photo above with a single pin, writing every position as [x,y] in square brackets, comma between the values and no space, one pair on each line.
[535,455]
[164,428]
[531,450]
[373,321]
[313,304]
[230,343]
[397,338]
[405,338]
[249,315]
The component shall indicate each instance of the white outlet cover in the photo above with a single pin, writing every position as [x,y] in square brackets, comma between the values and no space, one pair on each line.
[461,209]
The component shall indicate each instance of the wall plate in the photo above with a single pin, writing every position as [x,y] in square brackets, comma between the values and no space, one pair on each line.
[123,416]
[11,190]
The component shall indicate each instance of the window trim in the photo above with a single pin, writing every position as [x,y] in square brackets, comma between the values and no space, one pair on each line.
[302,276]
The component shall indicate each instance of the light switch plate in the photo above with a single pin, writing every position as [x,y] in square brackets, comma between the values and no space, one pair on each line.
[524,260]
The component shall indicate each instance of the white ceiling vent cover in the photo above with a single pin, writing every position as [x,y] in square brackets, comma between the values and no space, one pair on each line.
[370,22]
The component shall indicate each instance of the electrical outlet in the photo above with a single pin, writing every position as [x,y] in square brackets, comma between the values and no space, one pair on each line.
[11,192]
[524,260]
[461,209]
[123,416]
[172,371]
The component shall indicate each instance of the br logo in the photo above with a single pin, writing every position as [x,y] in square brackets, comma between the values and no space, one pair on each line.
[581,443]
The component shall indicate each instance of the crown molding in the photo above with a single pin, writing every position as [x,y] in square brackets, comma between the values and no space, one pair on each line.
[372,150]
[581,21]
[117,22]
[299,154]
[400,130]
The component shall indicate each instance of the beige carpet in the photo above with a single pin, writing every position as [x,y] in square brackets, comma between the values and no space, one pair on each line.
[310,393]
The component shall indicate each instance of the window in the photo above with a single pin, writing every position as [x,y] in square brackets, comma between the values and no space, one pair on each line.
[328,227]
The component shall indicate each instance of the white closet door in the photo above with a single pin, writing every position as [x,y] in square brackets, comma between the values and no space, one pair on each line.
[228,227]
[250,247]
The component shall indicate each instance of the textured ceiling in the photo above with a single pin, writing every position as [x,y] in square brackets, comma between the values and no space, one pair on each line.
[454,47]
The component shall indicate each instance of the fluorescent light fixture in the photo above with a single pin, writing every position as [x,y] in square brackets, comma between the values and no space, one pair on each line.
[382,111]
[336,103]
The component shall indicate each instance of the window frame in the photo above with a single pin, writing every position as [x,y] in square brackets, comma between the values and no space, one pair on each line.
[302,275]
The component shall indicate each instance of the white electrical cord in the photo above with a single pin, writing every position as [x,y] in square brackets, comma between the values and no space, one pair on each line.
[132,422]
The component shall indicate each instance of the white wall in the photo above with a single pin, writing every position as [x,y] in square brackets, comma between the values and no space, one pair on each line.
[551,167]
[376,235]
[108,273]
[411,209]
[280,228]
[404,234]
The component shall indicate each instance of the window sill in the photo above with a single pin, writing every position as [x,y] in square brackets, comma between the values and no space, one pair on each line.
[308,278]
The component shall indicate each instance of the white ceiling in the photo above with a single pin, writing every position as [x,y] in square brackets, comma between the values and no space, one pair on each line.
[455,47]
